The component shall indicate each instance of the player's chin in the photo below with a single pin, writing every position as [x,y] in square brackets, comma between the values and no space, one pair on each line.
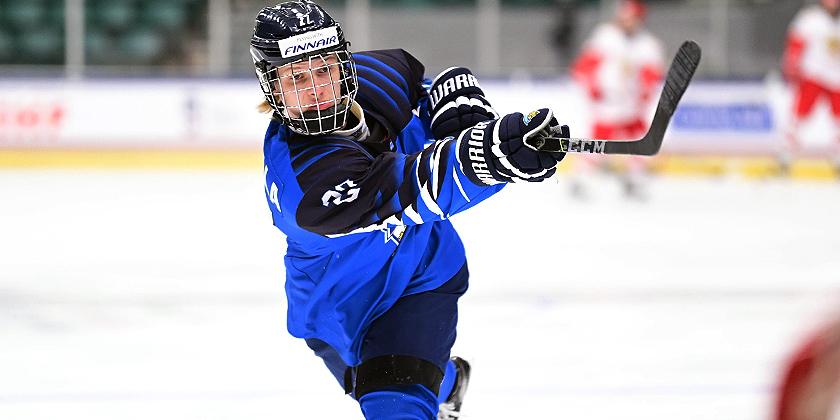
[320,111]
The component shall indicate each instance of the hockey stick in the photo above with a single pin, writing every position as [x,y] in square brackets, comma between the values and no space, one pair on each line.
[676,82]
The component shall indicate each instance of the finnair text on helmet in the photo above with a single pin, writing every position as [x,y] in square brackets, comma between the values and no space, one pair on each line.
[310,41]
[309,46]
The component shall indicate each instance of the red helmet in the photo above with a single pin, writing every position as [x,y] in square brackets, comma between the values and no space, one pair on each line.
[636,8]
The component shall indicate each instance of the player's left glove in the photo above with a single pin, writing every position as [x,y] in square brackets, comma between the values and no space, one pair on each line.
[495,151]
[457,103]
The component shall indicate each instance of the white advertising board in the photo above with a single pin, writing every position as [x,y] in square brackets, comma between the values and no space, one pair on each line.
[130,114]
[751,118]
[713,117]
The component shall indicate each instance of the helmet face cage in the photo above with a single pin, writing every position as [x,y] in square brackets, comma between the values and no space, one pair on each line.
[312,95]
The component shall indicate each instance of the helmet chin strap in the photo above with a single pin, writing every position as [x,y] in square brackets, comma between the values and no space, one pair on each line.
[323,121]
[359,131]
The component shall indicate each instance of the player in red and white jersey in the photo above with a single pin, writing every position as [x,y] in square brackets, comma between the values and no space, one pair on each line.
[809,388]
[621,67]
[811,63]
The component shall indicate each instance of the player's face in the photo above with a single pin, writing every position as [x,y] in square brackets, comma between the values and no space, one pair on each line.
[311,85]
[629,20]
[630,16]
[832,6]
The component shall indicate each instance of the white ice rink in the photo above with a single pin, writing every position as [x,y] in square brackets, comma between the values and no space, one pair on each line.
[158,295]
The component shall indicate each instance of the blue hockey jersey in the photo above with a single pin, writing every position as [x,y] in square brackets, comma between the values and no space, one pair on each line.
[364,225]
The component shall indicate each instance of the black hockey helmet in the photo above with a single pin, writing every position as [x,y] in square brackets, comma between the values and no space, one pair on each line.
[299,32]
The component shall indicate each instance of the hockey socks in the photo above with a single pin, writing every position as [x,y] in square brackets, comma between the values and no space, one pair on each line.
[449,377]
[408,402]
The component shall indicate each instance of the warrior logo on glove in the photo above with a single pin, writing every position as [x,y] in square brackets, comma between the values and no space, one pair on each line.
[457,103]
[459,82]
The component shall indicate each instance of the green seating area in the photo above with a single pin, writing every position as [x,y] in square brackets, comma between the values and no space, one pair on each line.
[32,31]
[145,32]
[135,32]
[445,3]
[142,32]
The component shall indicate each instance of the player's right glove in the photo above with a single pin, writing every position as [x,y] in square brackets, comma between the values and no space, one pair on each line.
[495,151]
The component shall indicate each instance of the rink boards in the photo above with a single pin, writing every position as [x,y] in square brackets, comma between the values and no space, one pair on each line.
[719,127]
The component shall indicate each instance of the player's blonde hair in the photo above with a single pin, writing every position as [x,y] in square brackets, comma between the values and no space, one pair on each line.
[265,108]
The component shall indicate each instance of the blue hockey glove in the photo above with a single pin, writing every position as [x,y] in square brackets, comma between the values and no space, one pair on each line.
[495,151]
[457,103]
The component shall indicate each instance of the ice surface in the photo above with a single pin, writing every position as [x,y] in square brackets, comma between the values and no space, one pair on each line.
[159,295]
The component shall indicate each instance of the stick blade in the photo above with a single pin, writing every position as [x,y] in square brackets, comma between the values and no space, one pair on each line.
[679,76]
[676,82]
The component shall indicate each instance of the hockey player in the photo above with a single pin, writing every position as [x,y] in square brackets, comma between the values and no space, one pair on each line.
[620,67]
[365,160]
[811,64]
[810,384]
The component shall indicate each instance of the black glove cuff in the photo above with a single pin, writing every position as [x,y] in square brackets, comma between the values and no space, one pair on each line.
[475,155]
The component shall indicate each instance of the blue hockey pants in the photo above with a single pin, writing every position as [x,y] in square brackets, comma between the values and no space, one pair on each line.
[420,325]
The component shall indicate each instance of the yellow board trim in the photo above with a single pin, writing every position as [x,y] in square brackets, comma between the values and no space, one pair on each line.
[749,167]
[95,158]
